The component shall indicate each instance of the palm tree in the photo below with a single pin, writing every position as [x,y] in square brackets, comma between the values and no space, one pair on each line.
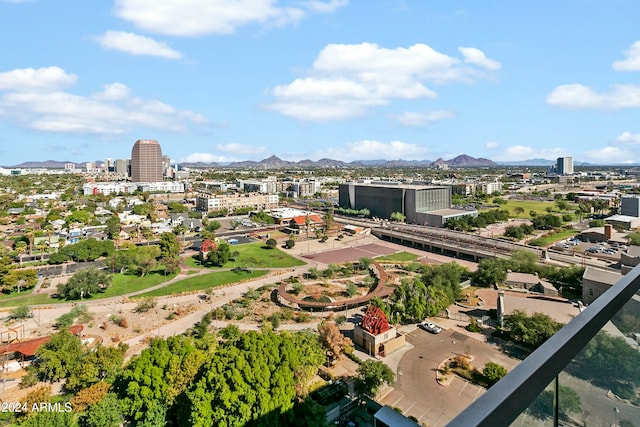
[147,233]
[42,245]
[30,236]
[21,247]
[178,230]
[307,222]
[49,229]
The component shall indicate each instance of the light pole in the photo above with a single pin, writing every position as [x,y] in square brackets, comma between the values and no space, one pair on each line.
[616,411]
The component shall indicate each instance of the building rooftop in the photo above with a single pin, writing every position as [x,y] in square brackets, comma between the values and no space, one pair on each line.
[608,277]
[387,184]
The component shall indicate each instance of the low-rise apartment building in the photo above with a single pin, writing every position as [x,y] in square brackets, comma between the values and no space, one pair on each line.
[232,202]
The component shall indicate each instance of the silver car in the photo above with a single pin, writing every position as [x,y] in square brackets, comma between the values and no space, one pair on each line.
[430,327]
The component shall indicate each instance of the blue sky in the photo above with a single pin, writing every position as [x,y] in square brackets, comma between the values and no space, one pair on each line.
[227,80]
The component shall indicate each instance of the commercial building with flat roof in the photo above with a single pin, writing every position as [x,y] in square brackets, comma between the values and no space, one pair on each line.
[384,198]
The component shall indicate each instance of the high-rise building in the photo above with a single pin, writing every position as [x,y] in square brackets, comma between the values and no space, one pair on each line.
[564,166]
[122,167]
[146,161]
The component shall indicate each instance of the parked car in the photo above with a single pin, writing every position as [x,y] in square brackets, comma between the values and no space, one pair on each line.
[430,327]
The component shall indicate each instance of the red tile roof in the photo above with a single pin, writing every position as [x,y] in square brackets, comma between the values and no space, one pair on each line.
[26,348]
[300,220]
[29,347]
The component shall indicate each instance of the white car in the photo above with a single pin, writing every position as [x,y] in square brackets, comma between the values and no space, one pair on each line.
[430,327]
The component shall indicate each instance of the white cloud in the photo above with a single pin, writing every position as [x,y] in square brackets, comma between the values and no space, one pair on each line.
[611,154]
[523,152]
[628,138]
[491,145]
[366,150]
[113,92]
[136,44]
[410,118]
[346,80]
[205,157]
[111,111]
[632,60]
[40,79]
[477,57]
[241,149]
[580,96]
[203,17]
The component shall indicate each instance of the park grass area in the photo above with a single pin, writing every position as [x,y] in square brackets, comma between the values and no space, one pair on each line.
[254,255]
[126,283]
[397,257]
[537,206]
[210,280]
[29,300]
[121,284]
[552,237]
[14,294]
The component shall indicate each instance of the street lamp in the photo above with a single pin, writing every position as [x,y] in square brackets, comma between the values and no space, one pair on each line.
[616,411]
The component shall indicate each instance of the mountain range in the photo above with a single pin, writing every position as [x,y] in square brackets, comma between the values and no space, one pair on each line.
[275,162]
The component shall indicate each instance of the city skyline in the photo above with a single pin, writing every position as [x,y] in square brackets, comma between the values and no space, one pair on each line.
[221,81]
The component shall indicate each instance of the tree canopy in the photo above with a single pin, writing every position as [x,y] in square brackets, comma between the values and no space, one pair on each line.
[372,374]
[84,284]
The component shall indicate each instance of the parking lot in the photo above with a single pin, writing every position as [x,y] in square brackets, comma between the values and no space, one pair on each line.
[416,391]
[603,250]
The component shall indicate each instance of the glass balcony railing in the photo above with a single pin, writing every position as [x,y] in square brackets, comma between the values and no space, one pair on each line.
[587,374]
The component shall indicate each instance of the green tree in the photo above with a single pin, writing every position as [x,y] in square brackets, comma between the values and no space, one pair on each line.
[220,256]
[365,263]
[169,246]
[176,207]
[100,364]
[156,377]
[50,419]
[352,289]
[272,243]
[84,284]
[171,265]
[58,357]
[493,372]
[147,233]
[531,330]
[490,272]
[105,413]
[397,216]
[518,210]
[371,375]
[256,377]
[113,227]
[21,312]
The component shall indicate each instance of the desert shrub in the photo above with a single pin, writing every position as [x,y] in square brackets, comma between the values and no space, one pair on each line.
[146,304]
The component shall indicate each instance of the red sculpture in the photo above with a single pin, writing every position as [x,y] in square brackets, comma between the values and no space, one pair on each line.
[375,321]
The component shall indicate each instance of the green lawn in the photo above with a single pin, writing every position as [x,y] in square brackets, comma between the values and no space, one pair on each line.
[398,256]
[537,206]
[552,238]
[254,255]
[121,284]
[15,294]
[29,300]
[203,282]
[125,283]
